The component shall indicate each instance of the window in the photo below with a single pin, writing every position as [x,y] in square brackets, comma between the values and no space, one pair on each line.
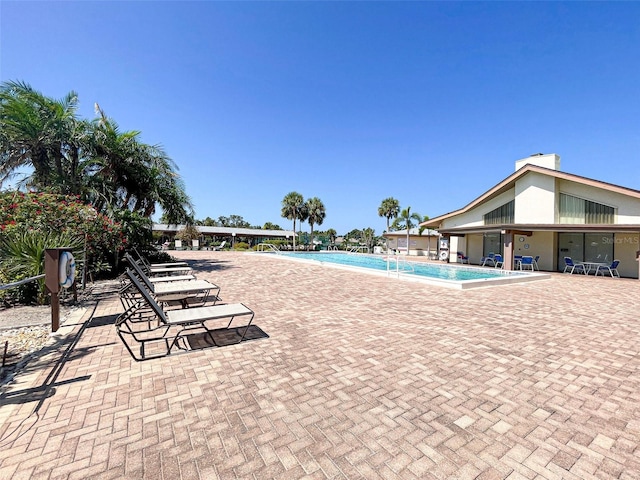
[501,215]
[492,243]
[574,210]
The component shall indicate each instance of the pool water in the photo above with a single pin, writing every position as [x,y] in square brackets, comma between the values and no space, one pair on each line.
[451,275]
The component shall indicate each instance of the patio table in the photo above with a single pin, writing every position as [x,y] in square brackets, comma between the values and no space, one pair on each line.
[588,266]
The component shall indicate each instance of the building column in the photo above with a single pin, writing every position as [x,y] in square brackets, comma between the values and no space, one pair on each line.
[508,250]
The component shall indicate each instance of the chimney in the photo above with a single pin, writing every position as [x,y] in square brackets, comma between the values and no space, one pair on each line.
[546,160]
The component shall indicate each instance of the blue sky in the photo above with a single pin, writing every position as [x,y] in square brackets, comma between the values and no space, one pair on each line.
[351,102]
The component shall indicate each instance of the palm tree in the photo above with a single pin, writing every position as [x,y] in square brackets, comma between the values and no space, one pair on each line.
[389,209]
[332,235]
[405,221]
[108,168]
[34,132]
[293,209]
[125,173]
[316,214]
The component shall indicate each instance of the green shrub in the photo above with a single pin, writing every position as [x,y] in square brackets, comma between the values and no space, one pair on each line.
[241,246]
[22,256]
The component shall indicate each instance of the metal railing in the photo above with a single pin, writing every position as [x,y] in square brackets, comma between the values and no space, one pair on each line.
[358,249]
[7,286]
[267,247]
[402,265]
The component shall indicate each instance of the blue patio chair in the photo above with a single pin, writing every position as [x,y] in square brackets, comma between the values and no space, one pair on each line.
[613,269]
[535,262]
[498,262]
[526,262]
[488,259]
[573,267]
[462,258]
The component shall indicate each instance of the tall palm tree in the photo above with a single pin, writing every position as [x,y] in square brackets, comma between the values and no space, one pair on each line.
[111,169]
[332,235]
[404,220]
[389,209]
[316,213]
[293,209]
[126,173]
[34,130]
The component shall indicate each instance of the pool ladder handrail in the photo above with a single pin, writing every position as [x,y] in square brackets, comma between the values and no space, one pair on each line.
[359,249]
[267,247]
[406,265]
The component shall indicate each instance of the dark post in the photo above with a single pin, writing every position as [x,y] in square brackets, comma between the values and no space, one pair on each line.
[52,282]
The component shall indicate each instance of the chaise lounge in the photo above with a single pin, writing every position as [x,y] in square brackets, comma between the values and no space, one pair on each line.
[172,328]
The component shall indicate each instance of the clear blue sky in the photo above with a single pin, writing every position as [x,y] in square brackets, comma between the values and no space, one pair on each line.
[427,102]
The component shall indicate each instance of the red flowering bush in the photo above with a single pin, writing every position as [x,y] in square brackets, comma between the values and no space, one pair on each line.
[52,216]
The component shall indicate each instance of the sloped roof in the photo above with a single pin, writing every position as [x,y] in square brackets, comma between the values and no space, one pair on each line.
[509,183]
[413,231]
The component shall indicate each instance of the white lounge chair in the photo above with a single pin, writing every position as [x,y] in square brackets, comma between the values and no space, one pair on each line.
[220,247]
[163,337]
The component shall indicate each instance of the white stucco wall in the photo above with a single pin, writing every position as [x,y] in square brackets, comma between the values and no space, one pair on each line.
[418,245]
[474,217]
[624,249]
[627,208]
[535,199]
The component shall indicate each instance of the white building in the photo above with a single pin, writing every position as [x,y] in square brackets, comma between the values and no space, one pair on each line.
[539,210]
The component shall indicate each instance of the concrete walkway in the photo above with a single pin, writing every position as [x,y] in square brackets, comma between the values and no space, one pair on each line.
[361,377]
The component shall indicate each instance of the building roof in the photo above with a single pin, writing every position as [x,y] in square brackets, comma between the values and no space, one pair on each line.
[509,183]
[427,232]
[226,231]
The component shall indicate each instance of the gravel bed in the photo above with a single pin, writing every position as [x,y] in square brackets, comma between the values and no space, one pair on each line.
[25,330]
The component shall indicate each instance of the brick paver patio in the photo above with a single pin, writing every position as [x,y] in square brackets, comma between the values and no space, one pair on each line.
[361,377]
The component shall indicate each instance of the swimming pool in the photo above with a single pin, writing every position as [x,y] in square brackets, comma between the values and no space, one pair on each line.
[455,276]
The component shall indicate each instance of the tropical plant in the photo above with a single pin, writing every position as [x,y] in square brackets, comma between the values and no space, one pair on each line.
[368,237]
[389,209]
[316,214]
[46,214]
[293,208]
[332,234]
[110,169]
[125,173]
[22,255]
[271,226]
[405,220]
[241,246]
[188,234]
[33,133]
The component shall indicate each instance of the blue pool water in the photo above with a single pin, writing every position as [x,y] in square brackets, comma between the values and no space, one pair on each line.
[455,273]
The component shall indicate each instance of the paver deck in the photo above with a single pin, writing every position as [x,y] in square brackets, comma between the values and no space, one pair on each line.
[361,377]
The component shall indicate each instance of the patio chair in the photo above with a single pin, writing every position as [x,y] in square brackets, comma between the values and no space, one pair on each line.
[573,267]
[526,262]
[172,328]
[489,259]
[535,262]
[498,262]
[185,293]
[462,258]
[166,274]
[146,263]
[220,247]
[612,269]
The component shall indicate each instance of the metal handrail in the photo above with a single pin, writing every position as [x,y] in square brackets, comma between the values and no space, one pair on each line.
[406,265]
[7,286]
[360,248]
[270,247]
